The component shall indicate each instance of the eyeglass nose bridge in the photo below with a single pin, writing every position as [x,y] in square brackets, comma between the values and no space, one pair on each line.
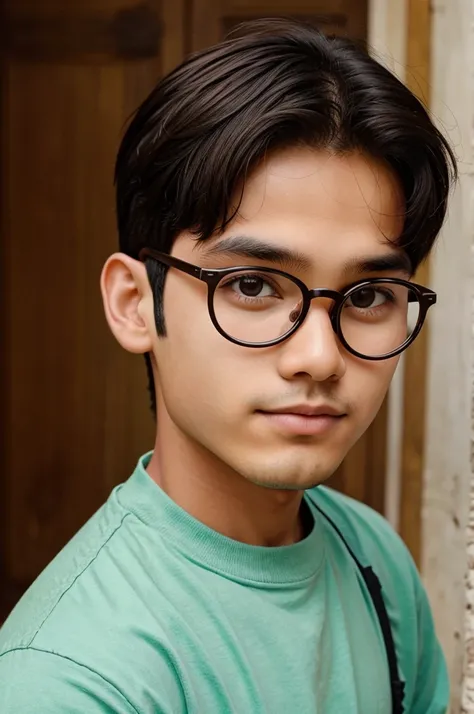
[333,295]
[326,293]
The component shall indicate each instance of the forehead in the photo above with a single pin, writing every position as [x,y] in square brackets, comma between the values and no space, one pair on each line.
[322,204]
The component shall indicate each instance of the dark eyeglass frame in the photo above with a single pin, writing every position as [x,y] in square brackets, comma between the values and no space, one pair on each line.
[212,278]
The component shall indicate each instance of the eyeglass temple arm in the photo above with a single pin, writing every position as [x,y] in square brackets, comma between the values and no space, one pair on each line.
[428,295]
[172,262]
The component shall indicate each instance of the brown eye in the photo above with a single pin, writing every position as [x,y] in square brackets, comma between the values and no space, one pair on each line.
[364,298]
[250,285]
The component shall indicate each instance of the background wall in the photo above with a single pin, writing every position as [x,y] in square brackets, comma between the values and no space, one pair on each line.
[447,502]
[450,396]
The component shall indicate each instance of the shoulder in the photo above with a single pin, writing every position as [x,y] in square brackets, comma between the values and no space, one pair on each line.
[39,670]
[59,582]
[61,642]
[33,680]
[376,543]
[371,536]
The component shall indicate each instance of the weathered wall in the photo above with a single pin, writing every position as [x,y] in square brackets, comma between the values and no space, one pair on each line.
[448,502]
[449,468]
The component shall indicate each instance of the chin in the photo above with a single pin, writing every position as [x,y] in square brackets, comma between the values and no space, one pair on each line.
[284,486]
[291,477]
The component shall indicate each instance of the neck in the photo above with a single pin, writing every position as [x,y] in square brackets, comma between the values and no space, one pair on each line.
[217,496]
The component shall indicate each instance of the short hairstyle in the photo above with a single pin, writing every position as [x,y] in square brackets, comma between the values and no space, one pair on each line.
[269,85]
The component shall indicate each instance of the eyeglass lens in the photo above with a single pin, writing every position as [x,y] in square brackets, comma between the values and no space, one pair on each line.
[256,307]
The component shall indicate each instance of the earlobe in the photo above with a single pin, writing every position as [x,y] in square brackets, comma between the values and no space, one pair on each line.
[128,302]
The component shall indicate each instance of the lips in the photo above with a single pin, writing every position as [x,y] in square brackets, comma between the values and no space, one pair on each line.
[308,410]
[304,419]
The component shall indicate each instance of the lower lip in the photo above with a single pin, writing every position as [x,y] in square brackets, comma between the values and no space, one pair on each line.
[302,425]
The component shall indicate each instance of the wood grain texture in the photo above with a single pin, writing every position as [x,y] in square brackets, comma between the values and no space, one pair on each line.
[76,408]
[130,32]
[417,79]
[76,412]
[212,19]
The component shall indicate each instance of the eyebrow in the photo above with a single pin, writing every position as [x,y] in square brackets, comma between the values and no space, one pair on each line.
[388,263]
[251,248]
[255,249]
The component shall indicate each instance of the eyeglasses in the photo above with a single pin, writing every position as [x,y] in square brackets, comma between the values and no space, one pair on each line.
[260,307]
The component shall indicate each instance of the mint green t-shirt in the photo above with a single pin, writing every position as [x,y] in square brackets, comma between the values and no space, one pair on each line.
[148,611]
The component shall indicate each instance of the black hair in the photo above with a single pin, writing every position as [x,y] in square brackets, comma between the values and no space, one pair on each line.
[271,84]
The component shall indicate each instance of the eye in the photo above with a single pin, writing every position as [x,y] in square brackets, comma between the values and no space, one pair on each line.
[368,298]
[251,286]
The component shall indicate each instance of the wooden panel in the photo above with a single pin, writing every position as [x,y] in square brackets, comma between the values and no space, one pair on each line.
[417,79]
[76,411]
[331,23]
[213,18]
[130,32]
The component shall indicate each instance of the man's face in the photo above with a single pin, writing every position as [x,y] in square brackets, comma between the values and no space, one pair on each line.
[221,397]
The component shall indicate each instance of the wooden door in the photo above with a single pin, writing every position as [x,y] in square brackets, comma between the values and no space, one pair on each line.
[74,407]
[212,19]
[75,411]
[363,472]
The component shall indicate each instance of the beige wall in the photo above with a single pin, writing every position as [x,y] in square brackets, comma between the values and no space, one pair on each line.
[449,458]
[448,467]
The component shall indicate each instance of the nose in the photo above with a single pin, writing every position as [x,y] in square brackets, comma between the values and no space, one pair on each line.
[313,350]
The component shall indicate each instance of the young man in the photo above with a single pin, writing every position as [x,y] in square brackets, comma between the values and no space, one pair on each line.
[275,194]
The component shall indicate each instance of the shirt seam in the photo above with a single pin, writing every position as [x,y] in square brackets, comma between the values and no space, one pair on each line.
[88,564]
[250,581]
[79,664]
[177,545]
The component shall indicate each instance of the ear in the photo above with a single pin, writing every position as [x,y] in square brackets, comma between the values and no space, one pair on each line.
[128,303]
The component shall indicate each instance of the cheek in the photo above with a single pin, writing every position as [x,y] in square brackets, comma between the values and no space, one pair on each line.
[369,382]
[199,369]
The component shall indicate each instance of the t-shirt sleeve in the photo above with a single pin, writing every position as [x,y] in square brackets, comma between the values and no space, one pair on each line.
[35,681]
[432,684]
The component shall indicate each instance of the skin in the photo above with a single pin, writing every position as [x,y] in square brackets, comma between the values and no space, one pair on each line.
[235,469]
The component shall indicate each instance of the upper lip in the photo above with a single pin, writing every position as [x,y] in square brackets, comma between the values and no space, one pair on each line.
[309,410]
